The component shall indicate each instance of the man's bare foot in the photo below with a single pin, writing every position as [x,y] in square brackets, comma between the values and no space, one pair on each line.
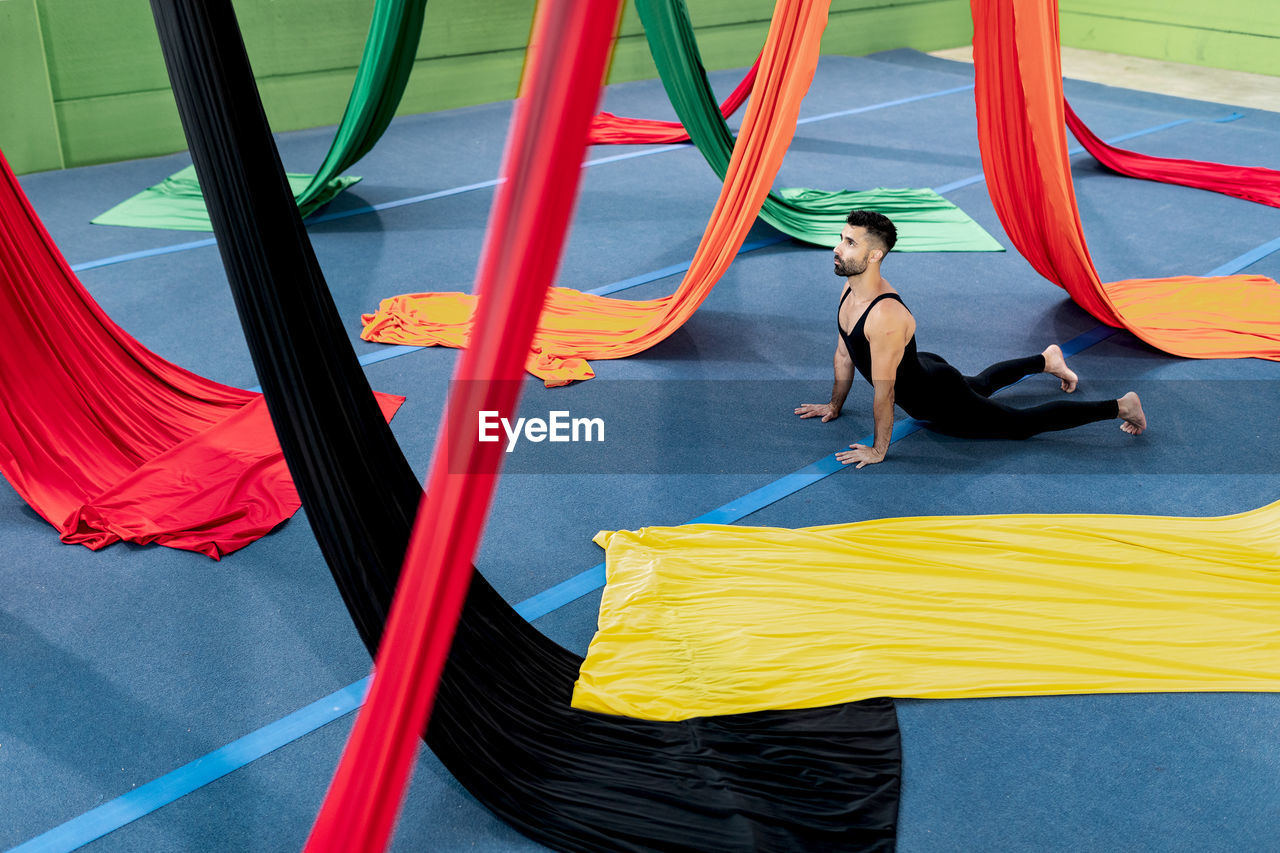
[1135,421]
[1055,364]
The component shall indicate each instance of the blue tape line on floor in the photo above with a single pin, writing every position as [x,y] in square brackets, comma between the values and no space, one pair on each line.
[1249,258]
[562,593]
[594,577]
[145,253]
[896,103]
[395,350]
[172,786]
[674,269]
[388,205]
[1079,149]
[182,781]
[160,792]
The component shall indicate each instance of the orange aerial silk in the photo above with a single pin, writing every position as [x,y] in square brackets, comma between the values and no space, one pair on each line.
[1021,131]
[576,326]
[609,129]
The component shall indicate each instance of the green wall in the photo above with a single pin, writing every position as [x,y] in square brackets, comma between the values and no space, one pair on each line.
[84,81]
[730,32]
[110,92]
[28,129]
[87,83]
[1242,35]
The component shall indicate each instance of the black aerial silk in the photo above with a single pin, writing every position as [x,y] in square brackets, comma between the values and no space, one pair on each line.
[817,779]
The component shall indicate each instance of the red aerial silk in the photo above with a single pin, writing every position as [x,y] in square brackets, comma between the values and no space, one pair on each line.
[105,439]
[609,129]
[1022,135]
[527,228]
[576,326]
[1252,183]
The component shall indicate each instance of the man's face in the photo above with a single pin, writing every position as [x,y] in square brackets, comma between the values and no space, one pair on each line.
[851,253]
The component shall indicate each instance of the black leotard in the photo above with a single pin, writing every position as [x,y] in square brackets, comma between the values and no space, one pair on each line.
[931,390]
[910,378]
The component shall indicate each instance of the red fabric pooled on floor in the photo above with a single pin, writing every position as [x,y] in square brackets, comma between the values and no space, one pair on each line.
[609,129]
[1252,183]
[105,439]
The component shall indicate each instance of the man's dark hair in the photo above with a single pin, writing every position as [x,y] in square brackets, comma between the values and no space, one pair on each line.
[877,224]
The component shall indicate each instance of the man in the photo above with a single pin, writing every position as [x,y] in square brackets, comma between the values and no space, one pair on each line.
[880,342]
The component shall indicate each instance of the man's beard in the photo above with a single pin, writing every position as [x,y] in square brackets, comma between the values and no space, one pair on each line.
[847,271]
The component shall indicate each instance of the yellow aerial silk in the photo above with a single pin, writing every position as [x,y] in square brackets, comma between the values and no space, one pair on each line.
[713,619]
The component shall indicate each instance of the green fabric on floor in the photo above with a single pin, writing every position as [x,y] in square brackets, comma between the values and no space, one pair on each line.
[389,49]
[926,221]
[176,203]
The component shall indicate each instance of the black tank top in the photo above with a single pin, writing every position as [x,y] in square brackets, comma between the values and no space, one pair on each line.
[910,374]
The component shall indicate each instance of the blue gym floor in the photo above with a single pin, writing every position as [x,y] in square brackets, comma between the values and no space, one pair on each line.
[124,665]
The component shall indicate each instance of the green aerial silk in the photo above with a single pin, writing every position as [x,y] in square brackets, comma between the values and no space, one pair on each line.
[926,221]
[389,50]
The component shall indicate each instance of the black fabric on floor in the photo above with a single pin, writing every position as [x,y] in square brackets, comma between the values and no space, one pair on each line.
[781,780]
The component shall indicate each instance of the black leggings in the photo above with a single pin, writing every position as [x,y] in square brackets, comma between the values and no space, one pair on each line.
[958,405]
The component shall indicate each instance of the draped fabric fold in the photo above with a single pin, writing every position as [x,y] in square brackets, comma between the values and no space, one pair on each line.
[577,326]
[389,51]
[797,780]
[527,227]
[385,64]
[609,129]
[502,723]
[1021,131]
[714,619]
[1251,183]
[926,222]
[106,440]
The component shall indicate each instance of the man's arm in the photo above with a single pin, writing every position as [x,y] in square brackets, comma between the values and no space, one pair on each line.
[839,389]
[882,411]
[887,332]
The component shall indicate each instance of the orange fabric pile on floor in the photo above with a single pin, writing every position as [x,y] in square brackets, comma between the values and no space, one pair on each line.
[577,326]
[1021,131]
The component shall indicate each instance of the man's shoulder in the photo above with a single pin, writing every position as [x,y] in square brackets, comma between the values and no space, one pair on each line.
[888,312]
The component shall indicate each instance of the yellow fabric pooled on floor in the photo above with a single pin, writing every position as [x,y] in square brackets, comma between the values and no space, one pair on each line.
[716,619]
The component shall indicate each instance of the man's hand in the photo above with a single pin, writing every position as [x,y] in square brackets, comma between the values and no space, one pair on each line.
[861,454]
[826,411]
